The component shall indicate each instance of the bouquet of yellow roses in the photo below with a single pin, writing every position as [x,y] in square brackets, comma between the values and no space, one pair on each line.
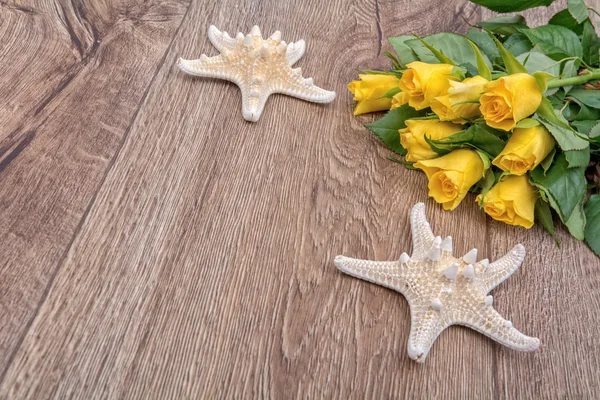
[507,111]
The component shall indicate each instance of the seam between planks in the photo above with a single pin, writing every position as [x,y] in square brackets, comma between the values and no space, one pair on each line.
[379,33]
[85,215]
[496,391]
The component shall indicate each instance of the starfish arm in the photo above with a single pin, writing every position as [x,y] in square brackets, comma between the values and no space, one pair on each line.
[209,67]
[425,326]
[384,273]
[498,271]
[254,98]
[221,40]
[490,323]
[422,235]
[295,51]
[303,89]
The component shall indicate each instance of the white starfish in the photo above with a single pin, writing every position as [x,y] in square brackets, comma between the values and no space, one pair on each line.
[260,67]
[442,290]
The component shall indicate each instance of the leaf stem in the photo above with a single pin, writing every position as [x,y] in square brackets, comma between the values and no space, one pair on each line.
[592,9]
[576,80]
[565,106]
[567,59]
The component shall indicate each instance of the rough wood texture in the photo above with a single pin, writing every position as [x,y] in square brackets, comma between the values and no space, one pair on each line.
[154,244]
[74,77]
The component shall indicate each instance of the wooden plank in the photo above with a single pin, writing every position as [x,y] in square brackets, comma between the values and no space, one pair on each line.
[556,295]
[74,76]
[38,57]
[204,267]
[239,222]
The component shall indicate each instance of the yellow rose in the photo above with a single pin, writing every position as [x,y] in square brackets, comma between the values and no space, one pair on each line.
[417,82]
[368,91]
[447,107]
[509,99]
[451,176]
[399,99]
[438,85]
[413,137]
[511,200]
[526,148]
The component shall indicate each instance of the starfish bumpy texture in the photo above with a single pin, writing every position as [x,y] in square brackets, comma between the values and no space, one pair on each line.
[442,290]
[260,67]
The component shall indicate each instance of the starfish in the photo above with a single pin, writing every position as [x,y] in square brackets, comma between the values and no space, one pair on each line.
[442,290]
[260,67]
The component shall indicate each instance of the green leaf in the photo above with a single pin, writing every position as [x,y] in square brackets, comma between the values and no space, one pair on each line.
[472,101]
[566,139]
[437,53]
[563,186]
[469,68]
[478,136]
[592,228]
[485,43]
[578,10]
[542,79]
[486,162]
[557,100]
[547,162]
[590,43]
[506,6]
[426,116]
[527,123]
[404,52]
[587,113]
[564,18]
[586,126]
[534,62]
[408,165]
[486,183]
[577,220]
[504,25]
[459,73]
[482,68]
[391,93]
[589,97]
[387,127]
[456,47]
[578,158]
[594,131]
[518,44]
[543,215]
[569,70]
[581,112]
[510,62]
[556,41]
[564,135]
[577,111]
[395,62]
[440,149]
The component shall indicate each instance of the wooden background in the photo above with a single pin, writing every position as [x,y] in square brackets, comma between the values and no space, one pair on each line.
[153,244]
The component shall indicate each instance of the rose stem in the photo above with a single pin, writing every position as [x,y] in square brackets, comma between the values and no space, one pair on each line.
[576,80]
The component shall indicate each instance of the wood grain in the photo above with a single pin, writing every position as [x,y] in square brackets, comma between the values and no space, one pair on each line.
[74,76]
[203,266]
